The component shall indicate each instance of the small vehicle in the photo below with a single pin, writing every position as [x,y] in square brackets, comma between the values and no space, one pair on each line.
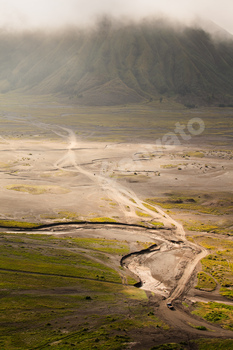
[170,306]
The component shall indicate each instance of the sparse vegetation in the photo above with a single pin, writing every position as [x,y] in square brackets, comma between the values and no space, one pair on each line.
[40,288]
[102,219]
[160,224]
[38,189]
[216,313]
[142,214]
[171,166]
[17,224]
[103,245]
[68,215]
[214,344]
[201,328]
[193,225]
[194,202]
[197,154]
[205,281]
[148,206]
[219,264]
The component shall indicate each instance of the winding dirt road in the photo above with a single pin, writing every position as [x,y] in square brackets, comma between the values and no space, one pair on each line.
[125,197]
[178,245]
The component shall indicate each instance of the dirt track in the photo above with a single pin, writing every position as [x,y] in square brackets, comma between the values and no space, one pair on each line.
[165,271]
[125,197]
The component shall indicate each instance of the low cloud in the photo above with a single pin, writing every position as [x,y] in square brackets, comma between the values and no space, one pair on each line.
[57,13]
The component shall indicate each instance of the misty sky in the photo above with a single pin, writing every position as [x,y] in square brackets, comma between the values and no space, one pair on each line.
[52,13]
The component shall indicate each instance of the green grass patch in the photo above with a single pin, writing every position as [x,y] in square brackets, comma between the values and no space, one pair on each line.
[38,189]
[69,215]
[219,226]
[103,245]
[10,280]
[199,226]
[218,264]
[185,304]
[148,206]
[143,215]
[144,224]
[135,293]
[205,281]
[146,245]
[18,224]
[132,200]
[200,328]
[102,219]
[53,261]
[196,154]
[41,310]
[158,223]
[216,313]
[215,344]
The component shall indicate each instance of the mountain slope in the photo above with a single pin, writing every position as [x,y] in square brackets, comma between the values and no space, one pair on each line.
[114,64]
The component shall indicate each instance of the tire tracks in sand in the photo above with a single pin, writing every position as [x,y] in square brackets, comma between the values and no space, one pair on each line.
[125,197]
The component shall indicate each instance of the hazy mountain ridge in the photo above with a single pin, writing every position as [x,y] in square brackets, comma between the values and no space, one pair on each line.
[119,64]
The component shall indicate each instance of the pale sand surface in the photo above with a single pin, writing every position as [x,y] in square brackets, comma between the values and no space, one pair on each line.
[49,181]
[70,180]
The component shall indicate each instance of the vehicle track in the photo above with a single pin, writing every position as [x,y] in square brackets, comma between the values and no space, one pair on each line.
[125,197]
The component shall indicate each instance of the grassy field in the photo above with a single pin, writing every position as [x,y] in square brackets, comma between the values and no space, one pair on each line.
[68,292]
[205,282]
[216,313]
[17,224]
[218,264]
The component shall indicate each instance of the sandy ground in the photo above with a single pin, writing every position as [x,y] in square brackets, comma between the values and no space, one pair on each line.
[71,179]
[92,172]
[74,180]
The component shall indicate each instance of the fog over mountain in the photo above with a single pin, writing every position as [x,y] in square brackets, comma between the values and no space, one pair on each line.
[115,63]
[111,52]
[56,13]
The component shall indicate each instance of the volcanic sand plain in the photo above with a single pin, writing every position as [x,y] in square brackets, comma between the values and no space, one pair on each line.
[159,200]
